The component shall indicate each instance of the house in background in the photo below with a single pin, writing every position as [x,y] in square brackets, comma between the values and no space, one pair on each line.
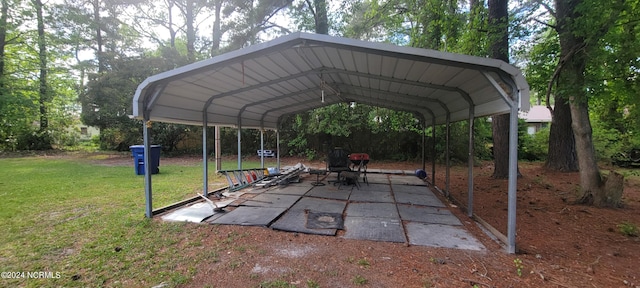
[83,132]
[537,118]
[86,132]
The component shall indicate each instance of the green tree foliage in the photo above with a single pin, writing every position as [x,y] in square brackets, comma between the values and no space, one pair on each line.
[28,119]
[107,103]
[129,42]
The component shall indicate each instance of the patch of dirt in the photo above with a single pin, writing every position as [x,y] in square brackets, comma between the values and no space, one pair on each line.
[559,244]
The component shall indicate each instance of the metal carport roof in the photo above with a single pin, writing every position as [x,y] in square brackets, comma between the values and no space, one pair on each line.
[255,86]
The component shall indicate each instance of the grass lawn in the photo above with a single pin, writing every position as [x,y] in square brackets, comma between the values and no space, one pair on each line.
[84,223]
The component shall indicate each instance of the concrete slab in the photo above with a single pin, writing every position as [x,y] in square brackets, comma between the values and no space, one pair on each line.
[426,214]
[250,216]
[373,210]
[194,213]
[319,205]
[418,199]
[391,208]
[272,200]
[376,229]
[295,221]
[438,235]
[406,180]
[330,192]
[375,187]
[410,189]
[289,190]
[370,196]
[377,178]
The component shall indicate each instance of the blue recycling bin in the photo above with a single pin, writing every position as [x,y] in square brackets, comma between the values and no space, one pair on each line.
[137,151]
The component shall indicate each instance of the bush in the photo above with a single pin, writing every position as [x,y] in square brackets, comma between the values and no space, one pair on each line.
[607,142]
[534,147]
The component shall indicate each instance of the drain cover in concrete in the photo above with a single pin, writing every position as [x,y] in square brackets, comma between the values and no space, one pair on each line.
[321,220]
[194,213]
[319,205]
[330,192]
[376,229]
[375,187]
[406,180]
[290,190]
[378,210]
[426,199]
[295,221]
[272,200]
[425,214]
[437,235]
[370,196]
[250,216]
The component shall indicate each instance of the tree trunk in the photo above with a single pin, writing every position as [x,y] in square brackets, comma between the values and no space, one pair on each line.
[3,38]
[43,90]
[499,49]
[322,22]
[216,34]
[562,153]
[191,32]
[172,32]
[97,21]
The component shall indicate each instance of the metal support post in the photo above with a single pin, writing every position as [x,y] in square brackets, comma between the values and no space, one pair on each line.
[513,176]
[446,155]
[205,164]
[147,168]
[470,164]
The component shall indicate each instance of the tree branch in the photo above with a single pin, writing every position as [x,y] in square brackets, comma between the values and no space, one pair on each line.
[544,23]
[311,8]
[549,9]
[556,73]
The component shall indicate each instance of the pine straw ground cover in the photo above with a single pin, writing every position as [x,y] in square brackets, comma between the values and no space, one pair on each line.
[80,217]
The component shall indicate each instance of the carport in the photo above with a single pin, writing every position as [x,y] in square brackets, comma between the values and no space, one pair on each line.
[257,86]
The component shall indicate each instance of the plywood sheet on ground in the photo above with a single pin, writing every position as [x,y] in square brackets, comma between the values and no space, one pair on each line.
[376,229]
[250,216]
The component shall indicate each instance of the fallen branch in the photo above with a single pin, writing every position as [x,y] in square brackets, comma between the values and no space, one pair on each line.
[473,282]
[590,266]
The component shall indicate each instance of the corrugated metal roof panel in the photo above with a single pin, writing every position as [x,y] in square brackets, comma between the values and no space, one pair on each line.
[261,83]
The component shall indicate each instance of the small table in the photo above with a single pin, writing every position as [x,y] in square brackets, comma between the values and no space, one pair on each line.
[317,172]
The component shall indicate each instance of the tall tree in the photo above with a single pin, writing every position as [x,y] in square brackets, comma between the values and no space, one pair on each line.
[189,13]
[97,26]
[561,152]
[216,33]
[320,16]
[499,49]
[4,10]
[581,24]
[44,94]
